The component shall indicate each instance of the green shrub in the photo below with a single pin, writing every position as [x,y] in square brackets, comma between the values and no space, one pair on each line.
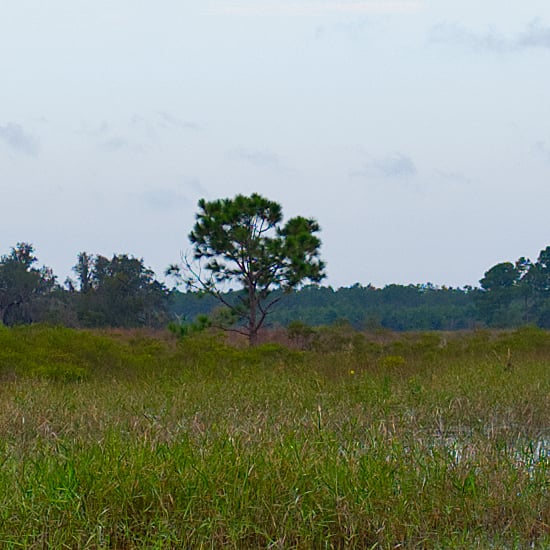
[60,372]
[392,361]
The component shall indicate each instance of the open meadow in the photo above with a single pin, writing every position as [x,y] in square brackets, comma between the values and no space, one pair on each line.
[128,440]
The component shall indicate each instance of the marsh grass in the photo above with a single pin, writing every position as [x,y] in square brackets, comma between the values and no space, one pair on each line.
[134,441]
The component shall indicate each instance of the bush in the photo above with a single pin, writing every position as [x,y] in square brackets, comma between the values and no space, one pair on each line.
[392,361]
[60,372]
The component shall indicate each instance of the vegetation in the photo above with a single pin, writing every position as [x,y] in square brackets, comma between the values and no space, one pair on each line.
[241,241]
[245,260]
[121,292]
[510,295]
[395,307]
[517,293]
[23,286]
[375,440]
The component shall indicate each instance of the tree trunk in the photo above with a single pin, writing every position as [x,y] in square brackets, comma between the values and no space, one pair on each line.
[253,338]
[252,326]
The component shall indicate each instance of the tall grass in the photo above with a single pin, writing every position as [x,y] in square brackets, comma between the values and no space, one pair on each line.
[420,441]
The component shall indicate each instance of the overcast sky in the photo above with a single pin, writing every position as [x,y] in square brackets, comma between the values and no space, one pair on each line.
[417,132]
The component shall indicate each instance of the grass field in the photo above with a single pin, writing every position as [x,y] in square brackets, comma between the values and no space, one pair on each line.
[412,441]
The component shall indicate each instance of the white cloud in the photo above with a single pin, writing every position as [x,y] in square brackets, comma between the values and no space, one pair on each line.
[536,35]
[114,135]
[17,139]
[165,199]
[259,158]
[168,120]
[94,130]
[255,156]
[299,8]
[194,187]
[354,29]
[176,197]
[396,166]
[117,144]
[453,178]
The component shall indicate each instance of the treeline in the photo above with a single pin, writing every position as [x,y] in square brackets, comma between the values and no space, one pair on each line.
[396,307]
[106,292]
[510,295]
[517,293]
[122,292]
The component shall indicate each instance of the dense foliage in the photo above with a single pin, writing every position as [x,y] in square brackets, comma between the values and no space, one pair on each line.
[120,292]
[123,292]
[510,295]
[517,293]
[24,288]
[116,292]
[396,307]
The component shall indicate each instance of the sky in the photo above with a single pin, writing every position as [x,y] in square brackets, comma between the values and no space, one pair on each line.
[416,132]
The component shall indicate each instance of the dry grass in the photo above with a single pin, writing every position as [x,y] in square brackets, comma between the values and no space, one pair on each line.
[132,441]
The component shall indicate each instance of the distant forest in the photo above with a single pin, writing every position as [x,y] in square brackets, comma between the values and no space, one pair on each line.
[122,292]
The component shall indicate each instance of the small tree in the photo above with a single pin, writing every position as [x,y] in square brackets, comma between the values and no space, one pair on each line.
[241,242]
